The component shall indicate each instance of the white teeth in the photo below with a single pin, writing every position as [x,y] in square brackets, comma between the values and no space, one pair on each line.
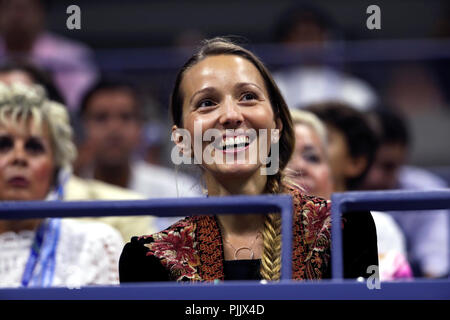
[230,142]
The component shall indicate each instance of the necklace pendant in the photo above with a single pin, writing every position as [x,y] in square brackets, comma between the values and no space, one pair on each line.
[244,248]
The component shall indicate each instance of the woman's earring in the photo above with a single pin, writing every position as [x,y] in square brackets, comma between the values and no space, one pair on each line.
[274,136]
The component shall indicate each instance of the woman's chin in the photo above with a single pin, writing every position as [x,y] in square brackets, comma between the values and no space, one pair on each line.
[235,170]
[17,198]
[22,195]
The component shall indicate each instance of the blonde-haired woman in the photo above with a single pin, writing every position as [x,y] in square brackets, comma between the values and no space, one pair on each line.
[308,167]
[36,152]
[226,88]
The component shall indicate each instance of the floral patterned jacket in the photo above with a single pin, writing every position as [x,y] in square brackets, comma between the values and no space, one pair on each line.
[192,249]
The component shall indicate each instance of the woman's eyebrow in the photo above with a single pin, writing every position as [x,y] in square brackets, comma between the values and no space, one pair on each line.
[309,147]
[207,89]
[37,139]
[212,89]
[245,84]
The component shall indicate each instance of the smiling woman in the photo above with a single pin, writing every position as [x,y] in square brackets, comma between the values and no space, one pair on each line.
[227,94]
[36,150]
[226,88]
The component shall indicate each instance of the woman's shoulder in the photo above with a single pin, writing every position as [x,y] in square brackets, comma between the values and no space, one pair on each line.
[303,201]
[149,257]
[311,213]
[177,229]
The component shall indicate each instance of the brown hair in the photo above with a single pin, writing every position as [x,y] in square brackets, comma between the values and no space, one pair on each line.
[271,259]
[357,130]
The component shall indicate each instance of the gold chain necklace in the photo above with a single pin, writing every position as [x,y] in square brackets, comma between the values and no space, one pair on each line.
[250,248]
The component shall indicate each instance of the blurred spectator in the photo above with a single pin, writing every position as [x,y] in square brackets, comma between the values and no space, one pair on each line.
[73,187]
[309,31]
[23,36]
[154,134]
[441,32]
[36,150]
[426,231]
[352,143]
[188,39]
[414,89]
[309,168]
[15,71]
[309,165]
[111,114]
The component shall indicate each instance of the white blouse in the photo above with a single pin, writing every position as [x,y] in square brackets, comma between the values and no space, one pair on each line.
[87,253]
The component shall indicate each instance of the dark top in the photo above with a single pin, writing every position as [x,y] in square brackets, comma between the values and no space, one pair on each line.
[359,243]
[242,269]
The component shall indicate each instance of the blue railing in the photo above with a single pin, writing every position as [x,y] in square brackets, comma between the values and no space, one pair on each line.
[336,288]
[380,201]
[166,208]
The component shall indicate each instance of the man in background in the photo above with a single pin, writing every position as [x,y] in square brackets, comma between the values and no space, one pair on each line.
[112,118]
[426,231]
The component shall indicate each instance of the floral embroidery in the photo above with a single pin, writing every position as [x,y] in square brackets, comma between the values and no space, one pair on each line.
[312,225]
[177,250]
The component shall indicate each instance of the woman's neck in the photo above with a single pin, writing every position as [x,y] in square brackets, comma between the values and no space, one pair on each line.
[19,225]
[226,185]
[241,225]
[232,224]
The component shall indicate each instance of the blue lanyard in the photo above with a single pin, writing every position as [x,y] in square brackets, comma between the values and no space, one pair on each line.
[40,266]
[64,177]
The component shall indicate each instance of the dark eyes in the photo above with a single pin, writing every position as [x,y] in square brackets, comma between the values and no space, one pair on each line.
[32,145]
[100,117]
[6,143]
[35,146]
[205,104]
[103,117]
[312,157]
[249,96]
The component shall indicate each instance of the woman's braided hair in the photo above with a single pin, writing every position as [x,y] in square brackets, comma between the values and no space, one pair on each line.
[271,258]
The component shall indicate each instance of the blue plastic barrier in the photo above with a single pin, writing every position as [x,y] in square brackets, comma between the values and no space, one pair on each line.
[285,289]
[166,208]
[379,201]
